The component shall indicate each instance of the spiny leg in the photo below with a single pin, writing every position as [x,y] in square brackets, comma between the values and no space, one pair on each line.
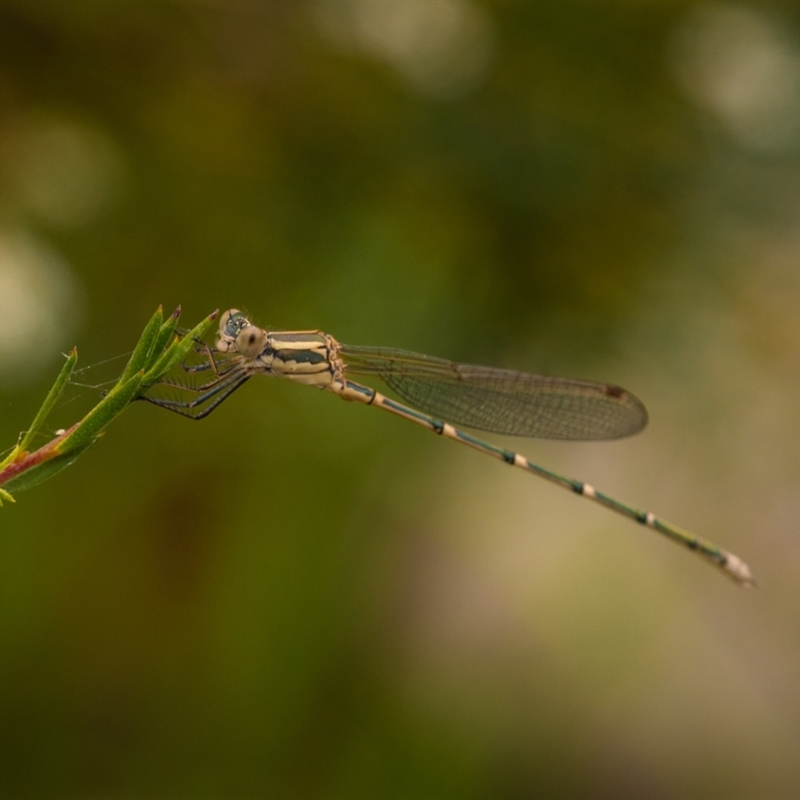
[207,351]
[219,390]
[222,376]
[209,408]
[209,362]
[207,392]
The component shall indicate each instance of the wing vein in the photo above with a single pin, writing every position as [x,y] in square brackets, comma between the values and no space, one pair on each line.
[500,400]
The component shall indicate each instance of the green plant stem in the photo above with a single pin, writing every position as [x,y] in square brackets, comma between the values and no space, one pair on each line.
[157,352]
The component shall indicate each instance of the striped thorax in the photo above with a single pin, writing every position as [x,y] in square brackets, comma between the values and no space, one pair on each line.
[307,357]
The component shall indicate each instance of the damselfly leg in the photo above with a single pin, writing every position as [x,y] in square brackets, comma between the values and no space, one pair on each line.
[230,375]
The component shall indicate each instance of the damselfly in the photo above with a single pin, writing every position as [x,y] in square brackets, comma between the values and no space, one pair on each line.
[443,393]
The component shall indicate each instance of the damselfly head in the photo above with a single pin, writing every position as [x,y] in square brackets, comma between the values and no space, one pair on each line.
[231,323]
[236,332]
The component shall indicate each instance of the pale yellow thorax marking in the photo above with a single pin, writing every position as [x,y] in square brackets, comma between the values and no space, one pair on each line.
[307,357]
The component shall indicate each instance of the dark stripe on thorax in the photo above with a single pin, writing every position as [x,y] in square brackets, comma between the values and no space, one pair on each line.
[300,356]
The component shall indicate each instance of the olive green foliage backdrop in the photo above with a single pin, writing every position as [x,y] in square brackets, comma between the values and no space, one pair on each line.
[297,597]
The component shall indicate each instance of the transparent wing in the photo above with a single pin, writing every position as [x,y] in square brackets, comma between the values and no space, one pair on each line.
[500,400]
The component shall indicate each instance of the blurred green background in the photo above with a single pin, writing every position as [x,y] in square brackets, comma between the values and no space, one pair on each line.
[302,598]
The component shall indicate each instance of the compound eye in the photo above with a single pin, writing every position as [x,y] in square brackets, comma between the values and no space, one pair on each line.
[250,341]
[226,318]
[231,322]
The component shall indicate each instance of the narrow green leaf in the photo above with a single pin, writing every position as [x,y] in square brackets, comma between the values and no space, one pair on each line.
[100,416]
[50,400]
[46,408]
[177,352]
[163,340]
[4,495]
[144,347]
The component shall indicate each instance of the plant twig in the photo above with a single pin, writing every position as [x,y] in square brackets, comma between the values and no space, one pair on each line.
[158,351]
